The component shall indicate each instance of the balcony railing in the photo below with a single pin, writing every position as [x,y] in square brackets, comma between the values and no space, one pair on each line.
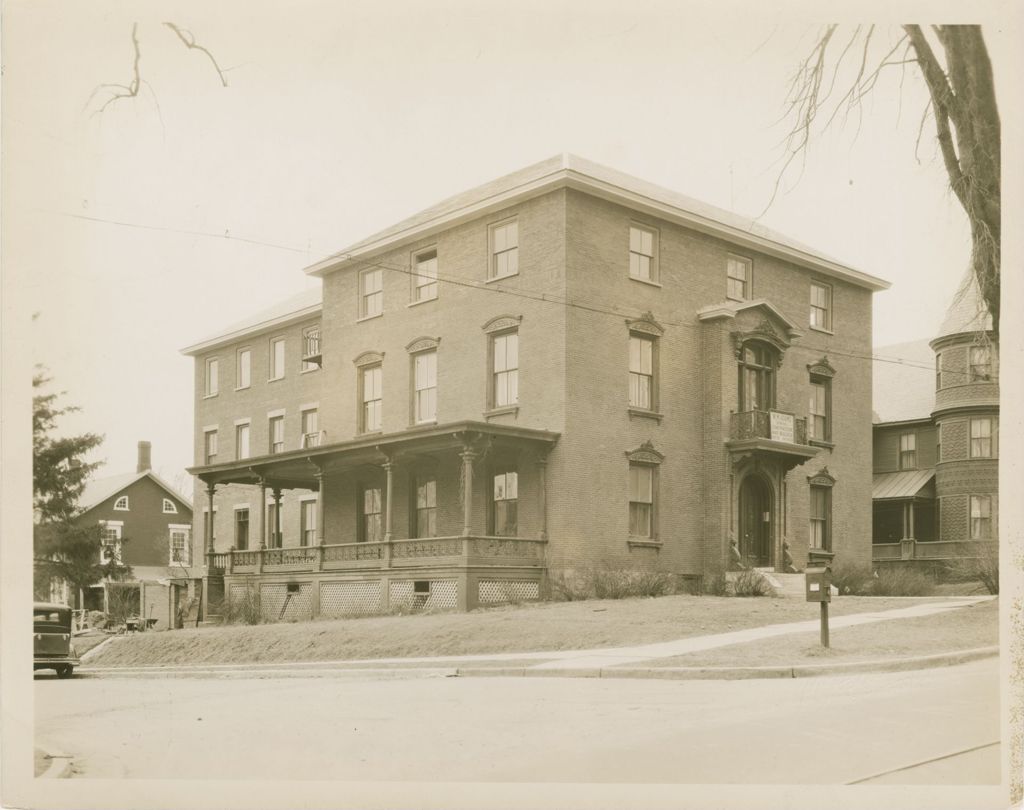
[314,439]
[311,347]
[455,551]
[776,426]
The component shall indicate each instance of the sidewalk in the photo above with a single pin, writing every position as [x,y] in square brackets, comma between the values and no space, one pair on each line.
[607,662]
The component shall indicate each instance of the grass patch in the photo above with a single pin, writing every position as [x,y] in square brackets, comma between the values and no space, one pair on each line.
[534,627]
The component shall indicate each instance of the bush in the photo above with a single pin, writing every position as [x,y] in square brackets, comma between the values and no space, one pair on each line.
[902,581]
[716,584]
[984,568]
[752,583]
[611,583]
[853,579]
[244,609]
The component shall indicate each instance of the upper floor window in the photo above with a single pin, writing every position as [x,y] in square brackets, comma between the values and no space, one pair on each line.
[424,515]
[424,281]
[310,348]
[371,292]
[169,508]
[757,377]
[981,517]
[277,358]
[210,449]
[110,540]
[641,372]
[504,249]
[212,376]
[641,500]
[821,306]
[180,548]
[821,518]
[307,523]
[244,369]
[121,504]
[425,386]
[242,440]
[938,371]
[982,445]
[504,504]
[372,385]
[820,409]
[505,369]
[276,432]
[981,364]
[310,428]
[642,259]
[908,451]
[738,278]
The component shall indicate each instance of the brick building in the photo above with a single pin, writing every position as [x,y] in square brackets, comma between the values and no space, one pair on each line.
[936,441]
[564,368]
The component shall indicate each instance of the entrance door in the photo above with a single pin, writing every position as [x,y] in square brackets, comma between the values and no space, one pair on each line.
[755,522]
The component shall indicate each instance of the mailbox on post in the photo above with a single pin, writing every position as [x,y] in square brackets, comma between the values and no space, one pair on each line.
[819,584]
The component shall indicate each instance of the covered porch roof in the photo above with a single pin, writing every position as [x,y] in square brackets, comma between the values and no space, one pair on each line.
[303,468]
[903,485]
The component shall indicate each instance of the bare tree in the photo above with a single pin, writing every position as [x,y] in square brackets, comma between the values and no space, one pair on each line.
[962,104]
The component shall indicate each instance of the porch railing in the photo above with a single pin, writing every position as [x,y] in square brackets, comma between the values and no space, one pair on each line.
[455,551]
[777,426]
[311,345]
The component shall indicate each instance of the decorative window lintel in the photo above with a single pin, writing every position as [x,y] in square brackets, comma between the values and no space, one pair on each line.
[369,358]
[502,322]
[646,325]
[823,478]
[821,368]
[422,344]
[645,454]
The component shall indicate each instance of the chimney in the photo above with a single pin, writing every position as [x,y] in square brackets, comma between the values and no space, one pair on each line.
[144,462]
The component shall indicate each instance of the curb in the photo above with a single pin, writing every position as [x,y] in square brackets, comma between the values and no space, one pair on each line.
[60,764]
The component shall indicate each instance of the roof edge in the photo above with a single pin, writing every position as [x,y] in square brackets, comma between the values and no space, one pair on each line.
[230,337]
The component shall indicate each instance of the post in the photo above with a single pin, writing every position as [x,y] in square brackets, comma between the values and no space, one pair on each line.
[210,489]
[468,456]
[277,518]
[542,496]
[824,622]
[263,515]
[321,505]
[388,488]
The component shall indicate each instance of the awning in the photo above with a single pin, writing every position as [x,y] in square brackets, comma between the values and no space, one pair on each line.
[905,484]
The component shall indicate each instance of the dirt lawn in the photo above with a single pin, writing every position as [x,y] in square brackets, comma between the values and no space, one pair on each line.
[525,628]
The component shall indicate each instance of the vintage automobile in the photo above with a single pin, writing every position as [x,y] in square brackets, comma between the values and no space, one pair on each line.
[53,648]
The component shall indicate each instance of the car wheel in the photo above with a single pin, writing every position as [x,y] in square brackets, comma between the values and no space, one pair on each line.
[65,671]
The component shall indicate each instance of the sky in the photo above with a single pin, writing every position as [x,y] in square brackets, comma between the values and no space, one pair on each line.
[136,228]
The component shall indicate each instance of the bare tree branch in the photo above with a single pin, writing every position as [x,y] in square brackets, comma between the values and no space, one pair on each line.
[189,40]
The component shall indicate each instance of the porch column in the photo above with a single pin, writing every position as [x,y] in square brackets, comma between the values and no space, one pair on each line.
[321,507]
[468,456]
[208,528]
[277,517]
[263,514]
[542,495]
[388,489]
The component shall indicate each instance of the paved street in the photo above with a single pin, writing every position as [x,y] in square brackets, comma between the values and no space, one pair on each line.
[817,730]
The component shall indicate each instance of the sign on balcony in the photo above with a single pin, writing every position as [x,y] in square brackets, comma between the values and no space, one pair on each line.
[782,427]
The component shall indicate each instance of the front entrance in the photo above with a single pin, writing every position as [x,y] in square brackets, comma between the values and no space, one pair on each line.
[755,522]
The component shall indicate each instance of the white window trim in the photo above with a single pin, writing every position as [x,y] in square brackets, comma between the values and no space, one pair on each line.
[275,413]
[165,511]
[238,360]
[125,508]
[361,297]
[180,527]
[414,276]
[750,276]
[655,279]
[270,358]
[831,309]
[494,226]
[207,393]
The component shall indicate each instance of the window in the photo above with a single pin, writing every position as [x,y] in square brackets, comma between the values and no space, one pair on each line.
[641,372]
[938,371]
[641,254]
[981,438]
[242,528]
[110,541]
[425,387]
[505,368]
[310,430]
[371,293]
[424,281]
[738,273]
[181,549]
[424,518]
[307,519]
[212,375]
[277,359]
[504,249]
[273,530]
[243,368]
[821,307]
[821,518]
[121,504]
[908,451]
[207,527]
[371,526]
[981,517]
[169,508]
[242,440]
[210,448]
[641,500]
[820,409]
[981,364]
[504,504]
[757,377]
[276,433]
[373,397]
[310,348]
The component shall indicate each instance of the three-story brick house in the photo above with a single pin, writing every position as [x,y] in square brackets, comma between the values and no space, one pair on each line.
[564,368]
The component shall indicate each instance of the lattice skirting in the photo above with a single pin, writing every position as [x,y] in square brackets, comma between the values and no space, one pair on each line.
[443,595]
[496,591]
[350,598]
[277,605]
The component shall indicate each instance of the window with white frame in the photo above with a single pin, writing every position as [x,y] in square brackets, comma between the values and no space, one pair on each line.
[242,440]
[310,428]
[110,541]
[307,521]
[121,504]
[641,500]
[642,259]
[276,432]
[243,369]
[641,372]
[504,511]
[738,276]
[425,386]
[980,364]
[371,292]
[981,517]
[180,547]
[372,396]
[212,376]
[504,249]
[821,306]
[982,431]
[210,446]
[169,507]
[424,280]
[505,369]
[277,358]
[908,451]
[424,523]
[820,408]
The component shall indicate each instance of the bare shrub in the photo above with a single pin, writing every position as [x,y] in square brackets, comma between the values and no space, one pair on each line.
[715,584]
[752,583]
[983,568]
[612,583]
[902,581]
[244,608]
[853,579]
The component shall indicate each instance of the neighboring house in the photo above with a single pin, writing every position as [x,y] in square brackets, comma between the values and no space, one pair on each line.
[147,525]
[936,441]
[565,368]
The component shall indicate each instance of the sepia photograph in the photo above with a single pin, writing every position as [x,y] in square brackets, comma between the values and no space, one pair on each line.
[477,405]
